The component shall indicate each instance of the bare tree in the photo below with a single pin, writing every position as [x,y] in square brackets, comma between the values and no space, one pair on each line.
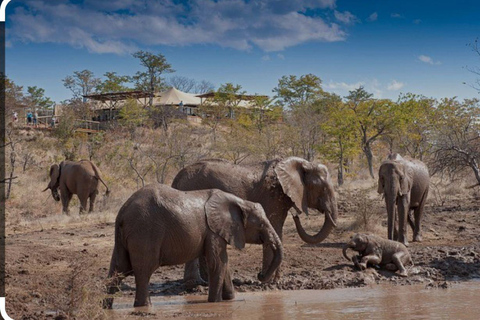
[182,83]
[457,141]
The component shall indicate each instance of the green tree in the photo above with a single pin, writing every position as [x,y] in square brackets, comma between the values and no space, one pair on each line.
[37,98]
[340,126]
[81,83]
[113,83]
[132,115]
[292,91]
[374,119]
[151,80]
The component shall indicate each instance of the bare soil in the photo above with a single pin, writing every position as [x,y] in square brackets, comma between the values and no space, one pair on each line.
[56,270]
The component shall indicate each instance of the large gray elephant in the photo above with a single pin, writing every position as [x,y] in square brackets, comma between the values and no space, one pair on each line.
[404,184]
[160,226]
[374,250]
[75,177]
[277,185]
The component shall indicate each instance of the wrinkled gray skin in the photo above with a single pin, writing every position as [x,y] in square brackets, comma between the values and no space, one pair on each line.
[160,226]
[75,177]
[391,255]
[277,185]
[404,184]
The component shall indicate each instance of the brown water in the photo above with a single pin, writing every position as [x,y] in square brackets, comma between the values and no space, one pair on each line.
[460,301]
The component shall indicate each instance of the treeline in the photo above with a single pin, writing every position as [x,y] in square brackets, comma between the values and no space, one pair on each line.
[301,120]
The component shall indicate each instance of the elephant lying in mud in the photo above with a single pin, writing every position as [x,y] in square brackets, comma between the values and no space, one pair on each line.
[278,185]
[75,177]
[374,250]
[160,226]
[405,184]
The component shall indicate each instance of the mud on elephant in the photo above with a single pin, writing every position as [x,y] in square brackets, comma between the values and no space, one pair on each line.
[374,250]
[75,177]
[160,226]
[278,185]
[404,184]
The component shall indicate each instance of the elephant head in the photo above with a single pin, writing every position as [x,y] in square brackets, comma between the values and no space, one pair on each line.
[308,185]
[54,183]
[229,217]
[359,243]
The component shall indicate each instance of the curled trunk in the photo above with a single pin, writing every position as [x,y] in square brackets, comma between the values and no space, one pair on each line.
[344,251]
[328,225]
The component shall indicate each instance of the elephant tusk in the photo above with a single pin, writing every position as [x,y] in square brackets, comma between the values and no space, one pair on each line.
[331,219]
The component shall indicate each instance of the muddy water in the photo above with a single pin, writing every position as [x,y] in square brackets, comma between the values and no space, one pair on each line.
[459,301]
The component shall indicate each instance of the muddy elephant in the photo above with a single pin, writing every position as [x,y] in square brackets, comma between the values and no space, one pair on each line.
[374,250]
[277,185]
[404,184]
[75,177]
[160,226]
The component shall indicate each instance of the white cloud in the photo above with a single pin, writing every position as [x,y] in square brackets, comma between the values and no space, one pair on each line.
[266,57]
[343,85]
[417,21]
[280,56]
[373,17]
[395,85]
[121,26]
[427,59]
[397,15]
[346,17]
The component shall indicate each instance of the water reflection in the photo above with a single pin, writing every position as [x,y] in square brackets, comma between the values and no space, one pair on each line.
[460,301]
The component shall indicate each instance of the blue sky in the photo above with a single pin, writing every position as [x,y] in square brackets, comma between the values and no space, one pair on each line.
[389,47]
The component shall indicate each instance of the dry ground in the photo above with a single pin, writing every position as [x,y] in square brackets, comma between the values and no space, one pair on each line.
[56,264]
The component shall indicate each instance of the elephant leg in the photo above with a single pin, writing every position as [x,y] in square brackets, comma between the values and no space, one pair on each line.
[395,224]
[397,260]
[191,275]
[142,297]
[83,202]
[268,254]
[372,259]
[93,195]
[228,292]
[418,215]
[217,261]
[66,197]
[403,208]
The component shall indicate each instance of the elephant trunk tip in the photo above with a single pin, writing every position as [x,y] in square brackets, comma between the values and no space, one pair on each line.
[344,251]
[46,189]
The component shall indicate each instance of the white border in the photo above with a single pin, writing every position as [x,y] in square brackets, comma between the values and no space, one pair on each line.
[3,312]
[3,8]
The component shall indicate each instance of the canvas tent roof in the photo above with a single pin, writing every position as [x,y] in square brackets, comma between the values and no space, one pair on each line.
[174,96]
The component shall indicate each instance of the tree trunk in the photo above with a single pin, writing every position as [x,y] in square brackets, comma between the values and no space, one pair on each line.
[368,153]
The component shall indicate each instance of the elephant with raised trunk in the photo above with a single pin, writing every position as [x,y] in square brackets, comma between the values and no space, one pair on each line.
[75,177]
[374,250]
[277,185]
[160,226]
[404,184]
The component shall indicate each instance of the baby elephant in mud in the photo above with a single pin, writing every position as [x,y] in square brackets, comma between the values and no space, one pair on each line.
[162,226]
[374,250]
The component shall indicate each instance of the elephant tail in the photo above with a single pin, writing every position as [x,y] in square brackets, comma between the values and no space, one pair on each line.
[97,175]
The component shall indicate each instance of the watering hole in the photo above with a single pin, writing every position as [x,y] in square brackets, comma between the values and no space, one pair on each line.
[457,301]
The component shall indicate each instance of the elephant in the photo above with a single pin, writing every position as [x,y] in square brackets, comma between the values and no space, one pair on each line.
[278,185]
[75,177]
[160,226]
[404,184]
[375,250]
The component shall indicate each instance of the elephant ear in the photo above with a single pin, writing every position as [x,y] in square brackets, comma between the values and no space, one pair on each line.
[291,175]
[227,217]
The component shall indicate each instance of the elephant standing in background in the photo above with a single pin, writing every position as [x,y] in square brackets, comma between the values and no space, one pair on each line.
[277,185]
[405,184]
[75,177]
[374,250]
[160,226]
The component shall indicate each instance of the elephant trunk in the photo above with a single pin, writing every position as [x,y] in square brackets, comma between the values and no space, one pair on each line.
[345,248]
[276,245]
[390,199]
[331,215]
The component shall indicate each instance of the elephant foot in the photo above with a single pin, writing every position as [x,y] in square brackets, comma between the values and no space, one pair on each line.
[193,283]
[362,266]
[107,303]
[417,238]
[228,296]
[403,273]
